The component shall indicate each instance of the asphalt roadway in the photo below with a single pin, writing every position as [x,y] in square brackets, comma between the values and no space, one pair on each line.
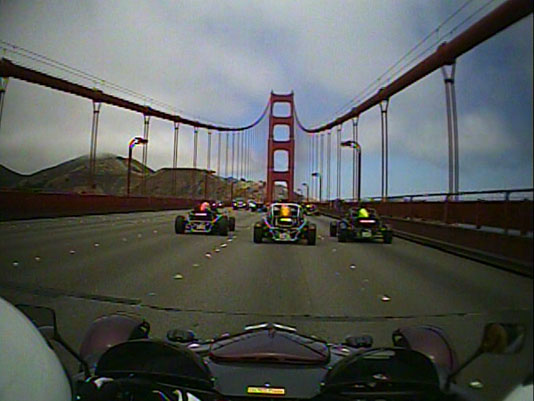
[88,266]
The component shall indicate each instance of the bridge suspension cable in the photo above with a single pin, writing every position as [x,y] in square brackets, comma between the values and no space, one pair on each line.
[10,69]
[494,22]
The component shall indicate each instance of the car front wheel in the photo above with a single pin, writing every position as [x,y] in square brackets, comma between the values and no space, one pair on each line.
[179,225]
[333,229]
[312,235]
[222,226]
[258,234]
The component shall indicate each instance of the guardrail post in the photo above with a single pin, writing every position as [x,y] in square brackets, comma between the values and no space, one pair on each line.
[3,89]
[477,213]
[506,211]
[446,210]
[527,219]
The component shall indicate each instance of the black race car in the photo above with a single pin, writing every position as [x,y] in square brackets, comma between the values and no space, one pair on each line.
[311,209]
[256,206]
[285,222]
[353,227]
[204,222]
[261,207]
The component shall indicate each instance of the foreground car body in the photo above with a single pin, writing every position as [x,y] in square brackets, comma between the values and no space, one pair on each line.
[285,222]
[352,227]
[122,362]
[205,222]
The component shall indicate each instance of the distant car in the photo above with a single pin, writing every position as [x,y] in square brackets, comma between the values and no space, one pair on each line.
[217,204]
[261,207]
[285,222]
[352,227]
[256,206]
[239,203]
[311,209]
[204,222]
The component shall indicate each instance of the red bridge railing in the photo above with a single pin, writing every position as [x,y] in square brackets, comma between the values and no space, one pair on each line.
[513,211]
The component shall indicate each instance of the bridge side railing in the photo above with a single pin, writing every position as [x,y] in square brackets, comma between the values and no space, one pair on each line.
[479,228]
[510,209]
[27,205]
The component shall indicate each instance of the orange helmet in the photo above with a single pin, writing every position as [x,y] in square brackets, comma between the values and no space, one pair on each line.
[205,206]
[285,211]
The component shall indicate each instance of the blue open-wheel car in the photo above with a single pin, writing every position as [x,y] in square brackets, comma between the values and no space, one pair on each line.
[285,222]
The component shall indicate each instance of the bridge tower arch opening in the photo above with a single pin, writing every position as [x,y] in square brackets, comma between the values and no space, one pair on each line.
[286,123]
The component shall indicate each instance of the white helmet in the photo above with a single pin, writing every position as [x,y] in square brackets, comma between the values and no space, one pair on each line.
[29,368]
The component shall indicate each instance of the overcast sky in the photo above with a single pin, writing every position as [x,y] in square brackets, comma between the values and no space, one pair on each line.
[219,61]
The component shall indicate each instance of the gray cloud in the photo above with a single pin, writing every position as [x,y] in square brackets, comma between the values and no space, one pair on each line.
[220,60]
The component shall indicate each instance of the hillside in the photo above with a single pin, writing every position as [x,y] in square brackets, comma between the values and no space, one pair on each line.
[73,176]
[9,178]
[111,173]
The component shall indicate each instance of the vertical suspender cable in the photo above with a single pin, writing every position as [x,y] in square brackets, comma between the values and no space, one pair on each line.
[338,178]
[226,157]
[219,137]
[175,157]
[328,155]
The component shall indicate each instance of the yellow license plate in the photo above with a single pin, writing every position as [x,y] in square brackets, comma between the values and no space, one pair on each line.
[266,390]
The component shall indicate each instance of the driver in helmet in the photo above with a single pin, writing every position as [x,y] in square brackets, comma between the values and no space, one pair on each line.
[29,368]
[204,207]
[362,212]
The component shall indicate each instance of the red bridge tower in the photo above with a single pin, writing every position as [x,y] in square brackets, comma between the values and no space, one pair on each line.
[281,145]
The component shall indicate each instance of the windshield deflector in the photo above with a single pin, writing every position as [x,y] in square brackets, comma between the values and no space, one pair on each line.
[271,346]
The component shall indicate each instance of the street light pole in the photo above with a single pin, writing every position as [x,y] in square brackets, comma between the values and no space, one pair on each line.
[355,139]
[135,141]
[356,146]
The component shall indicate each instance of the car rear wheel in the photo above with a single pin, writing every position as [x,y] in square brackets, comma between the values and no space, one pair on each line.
[333,229]
[342,236]
[179,225]
[312,234]
[388,237]
[222,226]
[258,234]
[231,223]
